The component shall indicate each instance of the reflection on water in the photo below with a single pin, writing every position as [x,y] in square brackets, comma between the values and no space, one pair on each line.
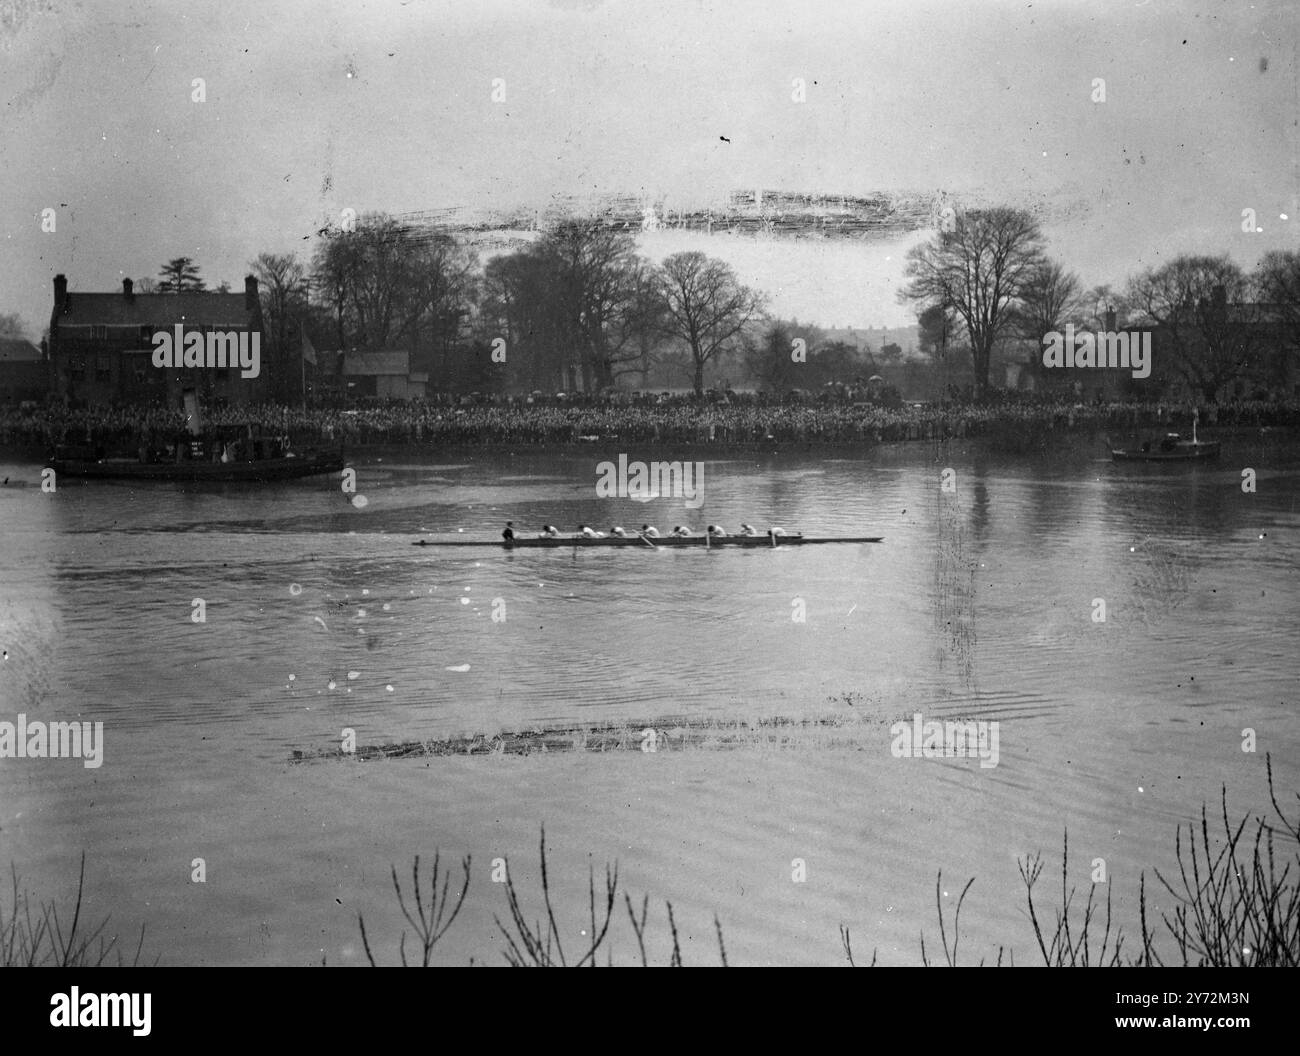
[954,582]
[981,602]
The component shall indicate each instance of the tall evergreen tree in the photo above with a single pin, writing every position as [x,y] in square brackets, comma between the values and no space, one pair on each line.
[180,275]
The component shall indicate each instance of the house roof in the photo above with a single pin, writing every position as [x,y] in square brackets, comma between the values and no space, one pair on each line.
[372,363]
[18,350]
[155,309]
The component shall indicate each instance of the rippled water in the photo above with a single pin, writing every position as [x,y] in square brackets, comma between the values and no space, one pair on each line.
[979,603]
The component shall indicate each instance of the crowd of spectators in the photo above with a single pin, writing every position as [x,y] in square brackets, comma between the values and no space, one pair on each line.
[676,420]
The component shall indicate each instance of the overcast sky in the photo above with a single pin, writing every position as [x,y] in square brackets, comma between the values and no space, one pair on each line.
[312,107]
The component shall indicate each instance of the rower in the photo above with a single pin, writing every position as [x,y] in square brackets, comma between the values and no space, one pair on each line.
[776,531]
[550,531]
[590,533]
[509,532]
[650,530]
[717,531]
[681,531]
[748,529]
[618,531]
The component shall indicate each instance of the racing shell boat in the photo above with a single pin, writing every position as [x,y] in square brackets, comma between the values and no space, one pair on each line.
[641,542]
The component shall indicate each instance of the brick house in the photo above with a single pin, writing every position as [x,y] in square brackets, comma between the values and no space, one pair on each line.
[1024,370]
[1240,350]
[101,346]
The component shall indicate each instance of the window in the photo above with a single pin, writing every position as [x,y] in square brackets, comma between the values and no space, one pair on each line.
[99,333]
[103,367]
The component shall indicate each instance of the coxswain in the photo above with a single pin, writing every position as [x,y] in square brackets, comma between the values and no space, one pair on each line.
[618,531]
[509,532]
[748,529]
[650,531]
[550,531]
[717,531]
[590,533]
[681,531]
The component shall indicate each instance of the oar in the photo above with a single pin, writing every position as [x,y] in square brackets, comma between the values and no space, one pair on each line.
[646,539]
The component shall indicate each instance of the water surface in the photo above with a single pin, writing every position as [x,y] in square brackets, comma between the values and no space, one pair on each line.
[981,603]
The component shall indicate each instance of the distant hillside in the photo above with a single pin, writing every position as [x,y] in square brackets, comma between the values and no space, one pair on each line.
[876,337]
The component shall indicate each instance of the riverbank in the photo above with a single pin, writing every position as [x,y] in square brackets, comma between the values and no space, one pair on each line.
[1011,439]
[743,844]
[1013,425]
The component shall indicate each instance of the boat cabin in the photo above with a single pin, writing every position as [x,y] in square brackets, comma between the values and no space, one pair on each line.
[1169,442]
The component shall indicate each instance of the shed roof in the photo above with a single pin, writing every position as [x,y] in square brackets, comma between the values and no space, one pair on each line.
[18,350]
[377,363]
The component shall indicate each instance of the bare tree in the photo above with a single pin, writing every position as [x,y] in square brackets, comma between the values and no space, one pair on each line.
[390,282]
[519,306]
[1206,310]
[705,306]
[282,286]
[600,289]
[381,287]
[1278,279]
[1048,298]
[1097,301]
[447,288]
[333,265]
[580,307]
[634,339]
[979,270]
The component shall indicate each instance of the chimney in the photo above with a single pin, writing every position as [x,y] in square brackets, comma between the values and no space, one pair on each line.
[250,293]
[127,286]
[61,300]
[1110,318]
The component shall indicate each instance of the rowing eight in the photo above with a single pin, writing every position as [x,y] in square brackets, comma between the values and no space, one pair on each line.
[553,543]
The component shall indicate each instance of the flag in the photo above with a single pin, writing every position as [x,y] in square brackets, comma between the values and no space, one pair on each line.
[308,350]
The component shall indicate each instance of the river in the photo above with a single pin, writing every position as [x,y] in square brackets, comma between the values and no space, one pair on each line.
[983,603]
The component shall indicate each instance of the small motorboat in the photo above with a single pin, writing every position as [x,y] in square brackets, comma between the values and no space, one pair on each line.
[1170,448]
